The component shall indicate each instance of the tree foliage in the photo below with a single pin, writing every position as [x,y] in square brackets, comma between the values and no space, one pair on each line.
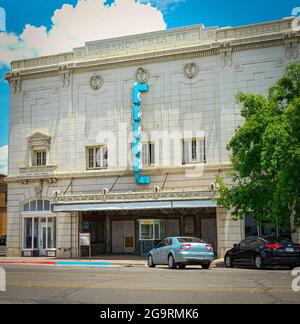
[265,155]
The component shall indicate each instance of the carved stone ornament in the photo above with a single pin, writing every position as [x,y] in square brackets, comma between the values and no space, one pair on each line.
[142,75]
[226,57]
[291,49]
[16,83]
[191,70]
[96,81]
[65,75]
[38,187]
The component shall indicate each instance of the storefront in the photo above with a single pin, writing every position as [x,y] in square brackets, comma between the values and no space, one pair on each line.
[130,230]
[39,229]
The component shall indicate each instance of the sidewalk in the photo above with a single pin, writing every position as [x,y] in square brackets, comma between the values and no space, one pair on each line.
[105,261]
[101,261]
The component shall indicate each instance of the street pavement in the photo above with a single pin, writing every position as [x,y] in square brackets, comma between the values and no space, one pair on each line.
[141,285]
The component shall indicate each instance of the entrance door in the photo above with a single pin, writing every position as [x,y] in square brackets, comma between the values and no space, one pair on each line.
[123,237]
[117,237]
[209,232]
[129,236]
[43,241]
[172,228]
[45,238]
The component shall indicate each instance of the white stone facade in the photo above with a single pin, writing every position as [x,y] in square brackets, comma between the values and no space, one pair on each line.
[54,96]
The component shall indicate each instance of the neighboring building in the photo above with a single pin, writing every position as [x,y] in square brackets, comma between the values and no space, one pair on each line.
[70,168]
[3,205]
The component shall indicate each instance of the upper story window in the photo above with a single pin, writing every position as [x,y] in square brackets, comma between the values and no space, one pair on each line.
[37,206]
[39,158]
[148,154]
[96,157]
[194,151]
[39,149]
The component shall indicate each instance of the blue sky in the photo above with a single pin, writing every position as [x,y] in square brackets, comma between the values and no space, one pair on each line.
[37,15]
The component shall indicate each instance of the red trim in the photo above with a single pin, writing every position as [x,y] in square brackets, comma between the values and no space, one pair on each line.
[28,262]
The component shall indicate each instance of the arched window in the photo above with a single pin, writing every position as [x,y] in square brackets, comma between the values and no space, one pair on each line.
[37,206]
[39,229]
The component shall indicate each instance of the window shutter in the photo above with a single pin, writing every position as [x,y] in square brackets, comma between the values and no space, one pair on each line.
[201,150]
[195,149]
[98,157]
[145,155]
[186,152]
[105,157]
[91,158]
[152,153]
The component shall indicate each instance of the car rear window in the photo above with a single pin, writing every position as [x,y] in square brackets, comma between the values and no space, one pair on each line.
[273,240]
[189,240]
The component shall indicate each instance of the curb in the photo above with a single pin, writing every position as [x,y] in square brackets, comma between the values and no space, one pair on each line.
[99,264]
[60,264]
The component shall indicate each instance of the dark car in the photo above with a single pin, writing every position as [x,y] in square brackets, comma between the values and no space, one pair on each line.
[264,251]
[3,241]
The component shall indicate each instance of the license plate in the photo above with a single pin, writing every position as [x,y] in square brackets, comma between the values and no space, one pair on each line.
[289,250]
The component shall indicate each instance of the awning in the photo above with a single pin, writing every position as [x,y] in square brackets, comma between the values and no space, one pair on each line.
[133,206]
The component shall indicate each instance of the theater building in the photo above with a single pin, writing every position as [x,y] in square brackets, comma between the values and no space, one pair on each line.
[123,138]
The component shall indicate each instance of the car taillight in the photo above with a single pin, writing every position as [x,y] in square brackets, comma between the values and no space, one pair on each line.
[297,247]
[274,246]
[186,246]
[209,247]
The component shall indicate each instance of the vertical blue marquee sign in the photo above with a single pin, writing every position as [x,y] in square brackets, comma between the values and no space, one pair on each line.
[137,132]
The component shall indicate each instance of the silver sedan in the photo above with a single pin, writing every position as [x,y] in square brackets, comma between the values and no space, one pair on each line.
[180,252]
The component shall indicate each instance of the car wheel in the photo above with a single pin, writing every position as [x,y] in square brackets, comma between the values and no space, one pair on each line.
[182,266]
[171,262]
[150,262]
[228,261]
[205,266]
[259,262]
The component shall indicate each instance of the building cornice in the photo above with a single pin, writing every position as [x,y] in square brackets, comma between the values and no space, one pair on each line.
[151,171]
[212,41]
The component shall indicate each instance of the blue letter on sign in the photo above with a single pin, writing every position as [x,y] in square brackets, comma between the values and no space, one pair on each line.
[136,129]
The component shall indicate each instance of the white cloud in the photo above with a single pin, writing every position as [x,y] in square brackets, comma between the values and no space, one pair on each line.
[73,26]
[164,5]
[3,159]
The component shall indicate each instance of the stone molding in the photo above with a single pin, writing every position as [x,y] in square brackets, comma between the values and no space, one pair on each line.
[41,170]
[50,172]
[134,197]
[236,39]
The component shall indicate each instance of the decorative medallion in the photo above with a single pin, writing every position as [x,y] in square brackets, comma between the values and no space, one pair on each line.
[191,70]
[142,75]
[96,82]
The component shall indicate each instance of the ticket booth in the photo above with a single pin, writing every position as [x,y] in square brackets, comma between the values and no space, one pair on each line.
[151,233]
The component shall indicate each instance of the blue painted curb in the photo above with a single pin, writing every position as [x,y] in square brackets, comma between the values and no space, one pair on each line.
[83,264]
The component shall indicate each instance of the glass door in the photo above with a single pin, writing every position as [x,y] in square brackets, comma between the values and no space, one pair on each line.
[43,242]
[47,235]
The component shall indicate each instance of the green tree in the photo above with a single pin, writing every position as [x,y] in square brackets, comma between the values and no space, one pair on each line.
[265,155]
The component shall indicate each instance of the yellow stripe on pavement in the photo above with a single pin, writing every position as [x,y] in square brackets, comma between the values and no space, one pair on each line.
[209,289]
